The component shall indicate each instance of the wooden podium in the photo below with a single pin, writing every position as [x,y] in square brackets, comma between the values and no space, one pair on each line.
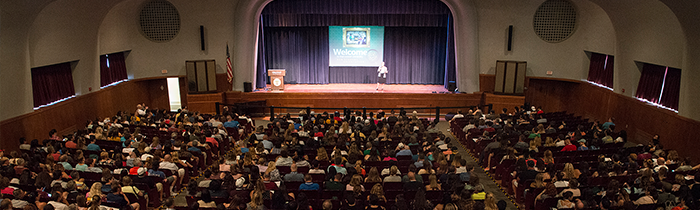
[276,79]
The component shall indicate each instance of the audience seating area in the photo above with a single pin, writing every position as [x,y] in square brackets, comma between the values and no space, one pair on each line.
[604,167]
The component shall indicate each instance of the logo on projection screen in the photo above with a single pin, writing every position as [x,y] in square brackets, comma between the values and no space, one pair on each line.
[372,55]
[356,37]
[277,82]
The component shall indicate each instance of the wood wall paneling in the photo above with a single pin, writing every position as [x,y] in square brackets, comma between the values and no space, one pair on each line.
[72,114]
[204,103]
[355,100]
[487,83]
[639,119]
[158,94]
[222,84]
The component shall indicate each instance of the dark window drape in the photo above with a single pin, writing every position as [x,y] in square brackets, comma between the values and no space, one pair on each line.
[651,82]
[672,89]
[52,83]
[302,51]
[601,69]
[115,71]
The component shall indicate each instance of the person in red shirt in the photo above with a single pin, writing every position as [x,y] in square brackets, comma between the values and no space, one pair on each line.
[269,185]
[71,144]
[210,138]
[569,146]
[135,170]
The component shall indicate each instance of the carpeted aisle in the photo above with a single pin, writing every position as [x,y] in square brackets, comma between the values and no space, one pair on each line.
[485,180]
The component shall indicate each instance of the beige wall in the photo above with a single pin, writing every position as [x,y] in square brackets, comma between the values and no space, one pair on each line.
[686,12]
[566,59]
[41,32]
[120,31]
[647,31]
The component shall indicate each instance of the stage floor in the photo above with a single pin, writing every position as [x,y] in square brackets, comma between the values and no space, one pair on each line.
[358,88]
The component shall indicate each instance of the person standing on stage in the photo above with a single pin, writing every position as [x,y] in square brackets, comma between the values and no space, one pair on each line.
[381,76]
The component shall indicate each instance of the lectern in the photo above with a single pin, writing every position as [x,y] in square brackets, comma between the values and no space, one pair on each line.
[276,79]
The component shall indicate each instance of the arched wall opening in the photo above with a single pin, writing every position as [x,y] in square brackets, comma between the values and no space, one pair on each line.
[464,31]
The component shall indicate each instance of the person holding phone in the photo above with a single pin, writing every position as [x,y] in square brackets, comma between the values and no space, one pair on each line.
[381,76]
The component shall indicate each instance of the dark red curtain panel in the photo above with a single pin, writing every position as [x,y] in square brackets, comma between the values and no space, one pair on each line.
[608,74]
[650,83]
[601,69]
[672,89]
[104,71]
[116,70]
[52,83]
[596,68]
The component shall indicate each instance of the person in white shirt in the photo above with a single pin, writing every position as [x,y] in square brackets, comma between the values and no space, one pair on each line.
[57,201]
[169,165]
[381,76]
[140,111]
[316,169]
[661,163]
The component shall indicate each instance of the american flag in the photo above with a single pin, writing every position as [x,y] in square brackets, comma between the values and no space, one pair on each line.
[229,72]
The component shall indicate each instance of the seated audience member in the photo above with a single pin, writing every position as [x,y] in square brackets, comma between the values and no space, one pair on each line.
[393,177]
[412,184]
[256,202]
[127,186]
[207,179]
[18,200]
[374,203]
[293,176]
[269,185]
[568,146]
[336,183]
[327,204]
[573,188]
[373,175]
[567,201]
[308,184]
[432,183]
[404,150]
[647,198]
[411,169]
[355,184]
[479,194]
[118,197]
[284,159]
[205,200]
[316,168]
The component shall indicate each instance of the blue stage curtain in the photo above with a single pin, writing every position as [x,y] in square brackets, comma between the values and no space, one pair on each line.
[450,67]
[261,77]
[304,13]
[415,55]
[353,74]
[302,51]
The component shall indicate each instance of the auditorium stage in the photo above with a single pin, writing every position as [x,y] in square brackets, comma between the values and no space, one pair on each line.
[358,88]
[355,96]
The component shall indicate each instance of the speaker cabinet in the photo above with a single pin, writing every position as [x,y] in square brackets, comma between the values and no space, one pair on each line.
[451,86]
[201,36]
[510,37]
[247,87]
[201,76]
[510,77]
